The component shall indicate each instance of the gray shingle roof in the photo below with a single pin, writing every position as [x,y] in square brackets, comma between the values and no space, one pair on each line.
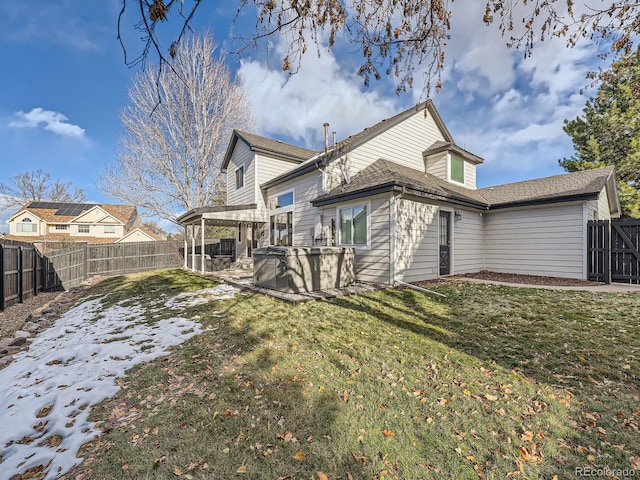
[384,175]
[277,146]
[268,146]
[574,184]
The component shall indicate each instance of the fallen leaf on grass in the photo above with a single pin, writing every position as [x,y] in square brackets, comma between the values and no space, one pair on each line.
[300,455]
[242,468]
[177,472]
[359,458]
[388,433]
[321,476]
[634,462]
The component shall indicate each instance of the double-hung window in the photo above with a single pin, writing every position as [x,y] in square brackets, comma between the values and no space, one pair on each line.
[281,219]
[354,225]
[109,229]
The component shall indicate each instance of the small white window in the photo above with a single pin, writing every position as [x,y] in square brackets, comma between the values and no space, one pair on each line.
[84,229]
[240,177]
[354,225]
[61,227]
[109,229]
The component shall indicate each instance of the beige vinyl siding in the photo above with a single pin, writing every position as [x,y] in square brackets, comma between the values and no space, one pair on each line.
[416,241]
[402,143]
[470,175]
[267,169]
[306,217]
[242,155]
[13,229]
[468,243]
[437,165]
[538,241]
[604,213]
[372,262]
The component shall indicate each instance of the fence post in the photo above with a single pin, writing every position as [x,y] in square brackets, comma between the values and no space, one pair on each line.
[1,277]
[20,273]
[607,252]
[85,261]
[35,271]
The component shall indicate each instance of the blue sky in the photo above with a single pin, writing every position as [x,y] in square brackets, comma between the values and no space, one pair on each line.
[64,82]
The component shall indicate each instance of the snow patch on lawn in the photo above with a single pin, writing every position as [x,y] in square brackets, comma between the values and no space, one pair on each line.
[47,391]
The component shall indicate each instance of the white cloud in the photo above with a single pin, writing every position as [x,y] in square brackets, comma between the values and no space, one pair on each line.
[55,122]
[322,91]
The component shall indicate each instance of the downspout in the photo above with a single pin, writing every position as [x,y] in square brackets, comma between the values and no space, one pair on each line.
[393,223]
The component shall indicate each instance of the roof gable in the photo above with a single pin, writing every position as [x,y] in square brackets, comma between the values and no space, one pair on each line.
[267,147]
[354,141]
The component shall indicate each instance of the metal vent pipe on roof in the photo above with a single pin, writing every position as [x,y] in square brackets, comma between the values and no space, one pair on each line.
[334,139]
[326,137]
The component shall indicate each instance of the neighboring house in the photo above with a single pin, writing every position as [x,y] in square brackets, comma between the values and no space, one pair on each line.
[404,195]
[77,222]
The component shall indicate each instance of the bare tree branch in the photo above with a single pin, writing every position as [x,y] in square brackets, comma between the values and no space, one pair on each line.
[35,186]
[169,162]
[400,37]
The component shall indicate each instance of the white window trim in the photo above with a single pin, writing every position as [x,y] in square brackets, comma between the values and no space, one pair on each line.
[244,177]
[88,227]
[367,204]
[109,226]
[449,169]
[289,208]
[62,228]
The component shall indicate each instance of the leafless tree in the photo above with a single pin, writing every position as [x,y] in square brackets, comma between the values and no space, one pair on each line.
[36,186]
[168,161]
[397,37]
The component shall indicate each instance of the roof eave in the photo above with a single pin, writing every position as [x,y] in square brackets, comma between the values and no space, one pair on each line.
[546,201]
[395,187]
[285,177]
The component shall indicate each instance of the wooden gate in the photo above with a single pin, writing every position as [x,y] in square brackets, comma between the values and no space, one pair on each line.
[613,250]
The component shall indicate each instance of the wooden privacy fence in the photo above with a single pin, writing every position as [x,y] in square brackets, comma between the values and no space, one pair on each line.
[613,249]
[25,271]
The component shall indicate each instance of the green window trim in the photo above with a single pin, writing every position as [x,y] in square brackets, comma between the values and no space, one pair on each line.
[457,169]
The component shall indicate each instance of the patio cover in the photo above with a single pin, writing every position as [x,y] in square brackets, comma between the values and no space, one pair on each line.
[223,215]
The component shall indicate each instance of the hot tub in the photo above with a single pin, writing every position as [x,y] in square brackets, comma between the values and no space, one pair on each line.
[303,269]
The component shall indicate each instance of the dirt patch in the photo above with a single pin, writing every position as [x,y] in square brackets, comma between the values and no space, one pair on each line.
[527,279]
[14,316]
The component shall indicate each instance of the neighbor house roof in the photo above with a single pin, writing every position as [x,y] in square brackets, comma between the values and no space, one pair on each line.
[350,143]
[64,212]
[266,146]
[385,176]
[569,186]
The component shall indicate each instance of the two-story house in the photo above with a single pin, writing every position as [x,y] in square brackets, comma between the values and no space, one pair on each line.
[404,195]
[78,222]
